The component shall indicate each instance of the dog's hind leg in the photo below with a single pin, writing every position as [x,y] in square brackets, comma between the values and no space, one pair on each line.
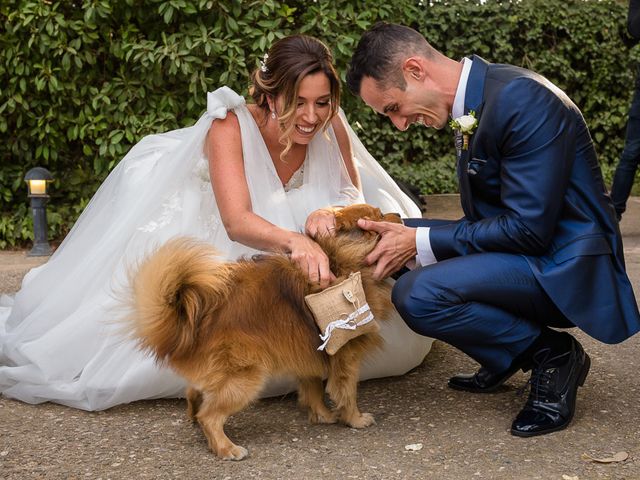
[221,400]
[311,395]
[194,401]
[342,387]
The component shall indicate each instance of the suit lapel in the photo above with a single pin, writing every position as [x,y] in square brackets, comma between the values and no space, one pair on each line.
[473,100]
[474,94]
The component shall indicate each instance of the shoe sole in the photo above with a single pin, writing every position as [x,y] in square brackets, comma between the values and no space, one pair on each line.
[473,390]
[581,379]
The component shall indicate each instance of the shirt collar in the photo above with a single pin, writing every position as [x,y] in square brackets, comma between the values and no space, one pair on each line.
[458,100]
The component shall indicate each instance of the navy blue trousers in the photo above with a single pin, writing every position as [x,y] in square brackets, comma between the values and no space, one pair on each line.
[488,305]
[630,158]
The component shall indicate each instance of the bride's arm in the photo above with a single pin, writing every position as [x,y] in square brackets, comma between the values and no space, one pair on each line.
[226,168]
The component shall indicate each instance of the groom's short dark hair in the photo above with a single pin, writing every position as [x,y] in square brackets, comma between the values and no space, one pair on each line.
[379,54]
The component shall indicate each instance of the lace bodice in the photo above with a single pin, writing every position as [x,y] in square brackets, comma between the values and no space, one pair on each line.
[296,179]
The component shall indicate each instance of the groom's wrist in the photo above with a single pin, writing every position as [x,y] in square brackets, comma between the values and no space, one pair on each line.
[423,247]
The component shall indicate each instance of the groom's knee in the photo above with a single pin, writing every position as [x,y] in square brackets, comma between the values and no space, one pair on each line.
[419,300]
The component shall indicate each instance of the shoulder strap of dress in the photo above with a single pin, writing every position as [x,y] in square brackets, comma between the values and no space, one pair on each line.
[221,101]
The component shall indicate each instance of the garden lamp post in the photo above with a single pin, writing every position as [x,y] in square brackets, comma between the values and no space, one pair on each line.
[38,180]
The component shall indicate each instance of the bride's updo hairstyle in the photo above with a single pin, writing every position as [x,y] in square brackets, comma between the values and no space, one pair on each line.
[289,60]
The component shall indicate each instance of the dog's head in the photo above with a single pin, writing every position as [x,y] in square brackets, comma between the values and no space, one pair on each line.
[350,245]
[347,219]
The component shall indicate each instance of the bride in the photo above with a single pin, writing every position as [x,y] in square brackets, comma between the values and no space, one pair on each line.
[277,167]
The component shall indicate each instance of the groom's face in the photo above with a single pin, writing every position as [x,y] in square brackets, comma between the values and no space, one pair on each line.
[415,104]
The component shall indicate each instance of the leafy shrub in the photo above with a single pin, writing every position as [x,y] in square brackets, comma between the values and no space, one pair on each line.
[81,82]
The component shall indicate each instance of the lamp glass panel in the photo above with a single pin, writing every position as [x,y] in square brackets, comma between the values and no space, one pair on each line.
[38,187]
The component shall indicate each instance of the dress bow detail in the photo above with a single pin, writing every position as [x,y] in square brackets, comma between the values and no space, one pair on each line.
[222,100]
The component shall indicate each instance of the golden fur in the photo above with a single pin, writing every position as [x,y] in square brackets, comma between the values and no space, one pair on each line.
[228,327]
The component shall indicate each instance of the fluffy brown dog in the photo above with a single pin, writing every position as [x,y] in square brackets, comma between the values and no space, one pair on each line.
[228,327]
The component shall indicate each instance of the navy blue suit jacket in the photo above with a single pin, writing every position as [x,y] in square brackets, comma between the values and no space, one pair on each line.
[530,184]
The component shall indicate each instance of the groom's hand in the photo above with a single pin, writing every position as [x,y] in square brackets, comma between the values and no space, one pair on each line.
[397,245]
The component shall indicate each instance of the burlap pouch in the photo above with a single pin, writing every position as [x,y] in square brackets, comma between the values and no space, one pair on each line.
[342,313]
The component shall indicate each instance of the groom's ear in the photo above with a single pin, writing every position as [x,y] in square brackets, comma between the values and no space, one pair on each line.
[412,68]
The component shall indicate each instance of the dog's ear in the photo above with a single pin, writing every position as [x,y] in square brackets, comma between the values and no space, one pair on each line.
[392,218]
[347,218]
[344,223]
[376,215]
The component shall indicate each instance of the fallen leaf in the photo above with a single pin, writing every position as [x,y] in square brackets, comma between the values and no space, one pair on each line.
[618,457]
[413,447]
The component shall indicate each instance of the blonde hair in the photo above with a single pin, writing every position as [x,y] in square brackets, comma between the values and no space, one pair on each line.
[289,60]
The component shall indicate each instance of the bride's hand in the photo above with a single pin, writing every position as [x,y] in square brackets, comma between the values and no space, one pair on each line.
[321,222]
[308,255]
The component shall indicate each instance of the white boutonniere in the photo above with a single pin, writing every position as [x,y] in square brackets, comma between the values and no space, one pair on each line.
[466,125]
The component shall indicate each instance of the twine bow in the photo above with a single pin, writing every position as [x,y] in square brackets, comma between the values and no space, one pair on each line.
[347,321]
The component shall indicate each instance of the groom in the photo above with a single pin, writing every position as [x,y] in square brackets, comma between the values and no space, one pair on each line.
[539,244]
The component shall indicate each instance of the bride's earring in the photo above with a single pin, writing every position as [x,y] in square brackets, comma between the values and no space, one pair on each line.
[273,115]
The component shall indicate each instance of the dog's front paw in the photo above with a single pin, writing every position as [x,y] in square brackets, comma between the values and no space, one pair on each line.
[362,420]
[325,416]
[234,452]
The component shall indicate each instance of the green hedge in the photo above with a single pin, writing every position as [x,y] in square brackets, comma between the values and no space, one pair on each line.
[80,84]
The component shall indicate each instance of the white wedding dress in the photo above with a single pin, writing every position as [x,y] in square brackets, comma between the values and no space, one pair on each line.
[61,335]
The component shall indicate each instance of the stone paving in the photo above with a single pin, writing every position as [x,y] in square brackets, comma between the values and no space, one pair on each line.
[462,436]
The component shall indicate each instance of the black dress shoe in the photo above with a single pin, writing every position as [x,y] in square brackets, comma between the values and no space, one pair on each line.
[554,386]
[484,381]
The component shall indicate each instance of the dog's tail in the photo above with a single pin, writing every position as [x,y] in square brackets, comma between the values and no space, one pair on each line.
[175,291]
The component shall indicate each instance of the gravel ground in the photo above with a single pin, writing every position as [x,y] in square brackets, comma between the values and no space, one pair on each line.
[462,435]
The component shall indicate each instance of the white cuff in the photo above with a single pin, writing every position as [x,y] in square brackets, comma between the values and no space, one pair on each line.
[423,246]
